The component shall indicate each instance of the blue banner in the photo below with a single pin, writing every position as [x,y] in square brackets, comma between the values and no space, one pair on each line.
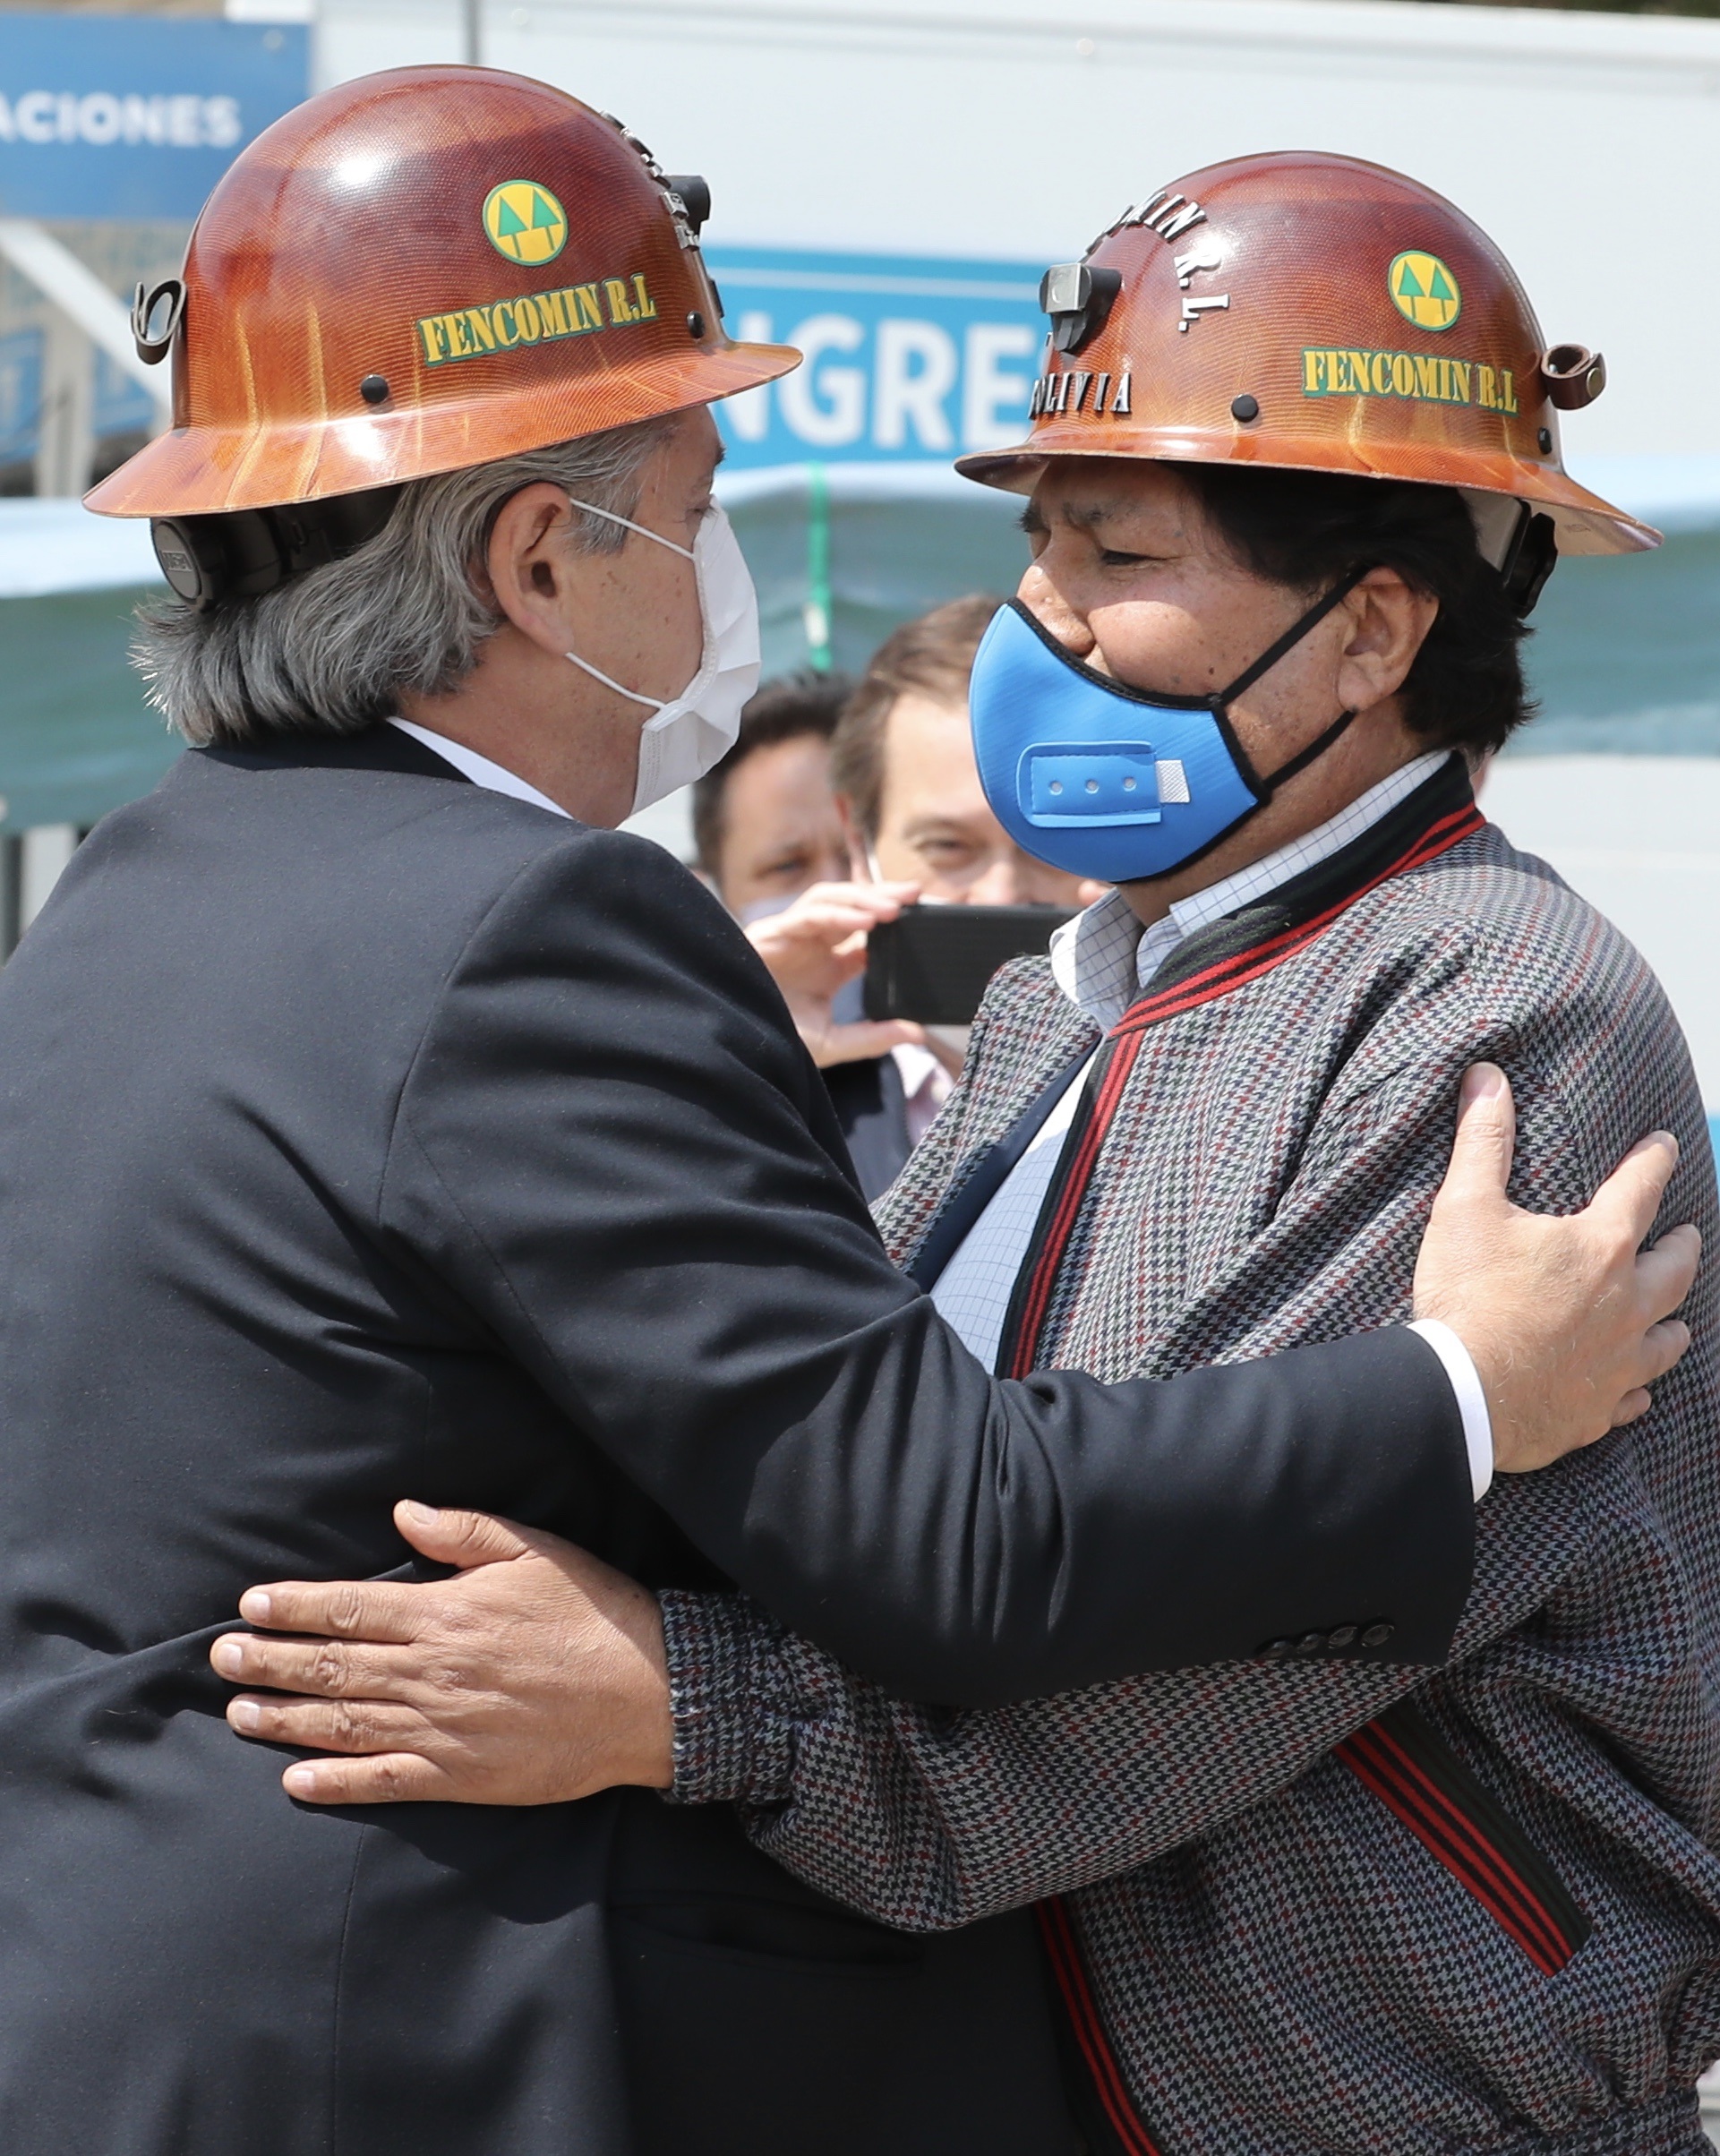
[120,405]
[907,357]
[21,395]
[135,115]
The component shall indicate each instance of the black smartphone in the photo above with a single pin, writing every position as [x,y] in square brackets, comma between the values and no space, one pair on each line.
[932,963]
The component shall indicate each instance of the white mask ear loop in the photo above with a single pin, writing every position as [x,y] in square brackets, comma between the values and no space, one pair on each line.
[591,510]
[632,695]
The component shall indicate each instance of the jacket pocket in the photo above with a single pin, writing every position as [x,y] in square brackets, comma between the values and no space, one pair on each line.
[1417,1775]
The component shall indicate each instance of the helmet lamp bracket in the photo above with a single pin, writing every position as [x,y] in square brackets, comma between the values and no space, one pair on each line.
[692,192]
[686,195]
[1077,298]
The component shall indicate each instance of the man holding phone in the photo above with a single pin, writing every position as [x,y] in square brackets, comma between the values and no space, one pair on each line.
[920,830]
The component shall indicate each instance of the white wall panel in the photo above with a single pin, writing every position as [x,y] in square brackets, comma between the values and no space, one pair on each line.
[1639,837]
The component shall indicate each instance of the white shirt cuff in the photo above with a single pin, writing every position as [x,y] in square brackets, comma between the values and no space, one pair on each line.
[1472,1401]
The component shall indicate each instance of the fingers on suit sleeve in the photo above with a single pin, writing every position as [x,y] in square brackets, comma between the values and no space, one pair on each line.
[393,1778]
[333,1669]
[1626,1203]
[1487,1134]
[339,1608]
[1666,1274]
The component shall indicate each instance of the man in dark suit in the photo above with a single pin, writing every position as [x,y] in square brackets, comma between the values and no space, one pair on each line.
[367,1122]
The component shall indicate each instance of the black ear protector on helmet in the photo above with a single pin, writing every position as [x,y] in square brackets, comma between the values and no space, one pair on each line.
[1516,539]
[1078,298]
[1529,563]
[242,553]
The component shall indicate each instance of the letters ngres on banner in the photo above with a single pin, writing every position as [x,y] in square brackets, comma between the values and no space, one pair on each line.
[906,358]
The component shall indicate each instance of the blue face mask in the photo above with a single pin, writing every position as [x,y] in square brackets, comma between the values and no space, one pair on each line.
[1100,780]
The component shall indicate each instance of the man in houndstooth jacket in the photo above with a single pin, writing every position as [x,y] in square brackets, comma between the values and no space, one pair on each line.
[1306,1904]
[1312,1902]
[1286,1915]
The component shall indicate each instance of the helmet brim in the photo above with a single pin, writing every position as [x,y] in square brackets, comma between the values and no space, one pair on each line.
[201,471]
[1583,522]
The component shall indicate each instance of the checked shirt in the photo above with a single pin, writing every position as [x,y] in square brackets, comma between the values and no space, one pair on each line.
[1306,1905]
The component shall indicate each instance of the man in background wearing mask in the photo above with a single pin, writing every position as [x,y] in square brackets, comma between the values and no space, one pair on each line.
[376,1123]
[918,827]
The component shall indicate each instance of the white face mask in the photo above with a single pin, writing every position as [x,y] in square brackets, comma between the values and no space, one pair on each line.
[683,738]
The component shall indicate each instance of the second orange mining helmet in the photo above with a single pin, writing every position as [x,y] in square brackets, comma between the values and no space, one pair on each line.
[418,271]
[1319,314]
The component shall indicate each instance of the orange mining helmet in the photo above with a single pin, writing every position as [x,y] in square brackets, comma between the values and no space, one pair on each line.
[421,270]
[1324,315]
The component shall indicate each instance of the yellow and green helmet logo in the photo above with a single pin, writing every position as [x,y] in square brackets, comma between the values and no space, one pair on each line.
[525,222]
[1423,291]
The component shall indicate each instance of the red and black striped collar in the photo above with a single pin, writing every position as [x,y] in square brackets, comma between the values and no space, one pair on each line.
[1214,961]
[1254,939]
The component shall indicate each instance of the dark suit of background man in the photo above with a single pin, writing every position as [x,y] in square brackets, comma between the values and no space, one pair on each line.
[367,1131]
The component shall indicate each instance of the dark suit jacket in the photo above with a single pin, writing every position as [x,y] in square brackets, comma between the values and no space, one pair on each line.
[363,1134]
[873,1117]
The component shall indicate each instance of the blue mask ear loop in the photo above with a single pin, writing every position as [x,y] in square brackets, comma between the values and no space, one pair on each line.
[1266,787]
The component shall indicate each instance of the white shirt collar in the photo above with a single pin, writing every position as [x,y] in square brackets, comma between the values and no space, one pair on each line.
[495,778]
[926,1086]
[1102,960]
[917,1066]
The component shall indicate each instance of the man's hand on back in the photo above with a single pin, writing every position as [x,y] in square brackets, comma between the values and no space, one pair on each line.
[536,1675]
[1569,1320]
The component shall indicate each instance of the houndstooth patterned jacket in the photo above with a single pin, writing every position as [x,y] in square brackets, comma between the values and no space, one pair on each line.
[1290,1911]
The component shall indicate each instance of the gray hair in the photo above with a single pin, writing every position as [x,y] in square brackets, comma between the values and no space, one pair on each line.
[333,650]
